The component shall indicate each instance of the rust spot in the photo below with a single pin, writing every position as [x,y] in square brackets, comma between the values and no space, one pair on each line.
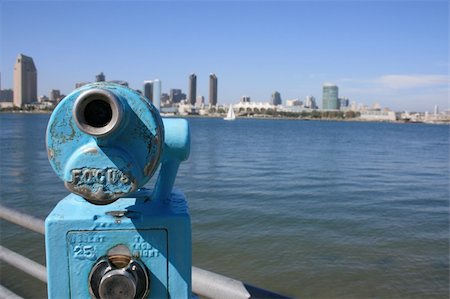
[50,153]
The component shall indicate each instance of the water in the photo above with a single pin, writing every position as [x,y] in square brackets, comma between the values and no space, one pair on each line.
[311,209]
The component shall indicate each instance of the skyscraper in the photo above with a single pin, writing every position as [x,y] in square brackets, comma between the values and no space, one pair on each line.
[276,98]
[157,93]
[213,89]
[310,102]
[330,97]
[176,95]
[200,101]
[343,103]
[25,81]
[245,99]
[148,90]
[54,95]
[192,89]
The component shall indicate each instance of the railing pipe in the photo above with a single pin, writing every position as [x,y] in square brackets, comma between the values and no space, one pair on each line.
[22,263]
[7,294]
[24,220]
[213,285]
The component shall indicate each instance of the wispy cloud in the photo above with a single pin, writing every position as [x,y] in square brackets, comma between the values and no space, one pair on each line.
[418,92]
[412,81]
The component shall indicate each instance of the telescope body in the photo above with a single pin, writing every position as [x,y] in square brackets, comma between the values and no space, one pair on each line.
[111,237]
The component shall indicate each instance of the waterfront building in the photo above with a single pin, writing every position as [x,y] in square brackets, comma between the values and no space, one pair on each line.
[175,95]
[245,99]
[276,98]
[43,98]
[156,97]
[253,107]
[330,97]
[165,99]
[148,90]
[54,95]
[343,103]
[100,77]
[25,81]
[378,115]
[192,89]
[310,102]
[200,101]
[213,89]
[6,95]
[293,102]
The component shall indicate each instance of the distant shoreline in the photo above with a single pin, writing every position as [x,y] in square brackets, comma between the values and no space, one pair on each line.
[262,118]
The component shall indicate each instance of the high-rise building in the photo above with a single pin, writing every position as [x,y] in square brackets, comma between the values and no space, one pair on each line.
[330,97]
[310,102]
[192,89]
[54,95]
[157,93]
[213,89]
[25,81]
[165,99]
[343,103]
[175,95]
[276,98]
[148,90]
[245,99]
[6,95]
[100,77]
[200,101]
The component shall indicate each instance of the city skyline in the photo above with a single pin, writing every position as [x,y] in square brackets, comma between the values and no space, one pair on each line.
[392,53]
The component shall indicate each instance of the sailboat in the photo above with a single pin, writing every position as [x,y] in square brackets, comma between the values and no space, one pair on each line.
[230,115]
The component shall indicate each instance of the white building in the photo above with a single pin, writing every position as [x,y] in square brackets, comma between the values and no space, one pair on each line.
[377,115]
[294,102]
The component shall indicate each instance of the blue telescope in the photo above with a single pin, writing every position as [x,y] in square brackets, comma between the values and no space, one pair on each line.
[112,238]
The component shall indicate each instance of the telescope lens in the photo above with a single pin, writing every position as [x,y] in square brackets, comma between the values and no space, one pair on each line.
[97,113]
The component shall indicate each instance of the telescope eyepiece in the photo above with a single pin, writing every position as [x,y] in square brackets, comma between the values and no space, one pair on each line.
[97,112]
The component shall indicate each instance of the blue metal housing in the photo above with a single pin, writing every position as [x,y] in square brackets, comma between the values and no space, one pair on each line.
[157,232]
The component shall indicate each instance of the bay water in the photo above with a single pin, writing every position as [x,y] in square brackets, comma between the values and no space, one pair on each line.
[310,209]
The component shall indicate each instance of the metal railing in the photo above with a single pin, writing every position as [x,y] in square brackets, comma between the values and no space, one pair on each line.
[204,283]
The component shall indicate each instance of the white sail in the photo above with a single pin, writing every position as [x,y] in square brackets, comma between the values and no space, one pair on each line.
[230,115]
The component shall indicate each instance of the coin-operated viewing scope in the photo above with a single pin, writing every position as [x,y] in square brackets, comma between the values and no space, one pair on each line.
[112,238]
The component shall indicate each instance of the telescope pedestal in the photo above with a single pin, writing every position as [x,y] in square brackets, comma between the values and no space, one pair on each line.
[157,233]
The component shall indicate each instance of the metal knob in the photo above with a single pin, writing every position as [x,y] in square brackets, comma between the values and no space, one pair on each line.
[117,284]
[110,280]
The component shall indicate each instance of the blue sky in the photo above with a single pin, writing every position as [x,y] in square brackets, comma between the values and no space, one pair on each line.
[391,52]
